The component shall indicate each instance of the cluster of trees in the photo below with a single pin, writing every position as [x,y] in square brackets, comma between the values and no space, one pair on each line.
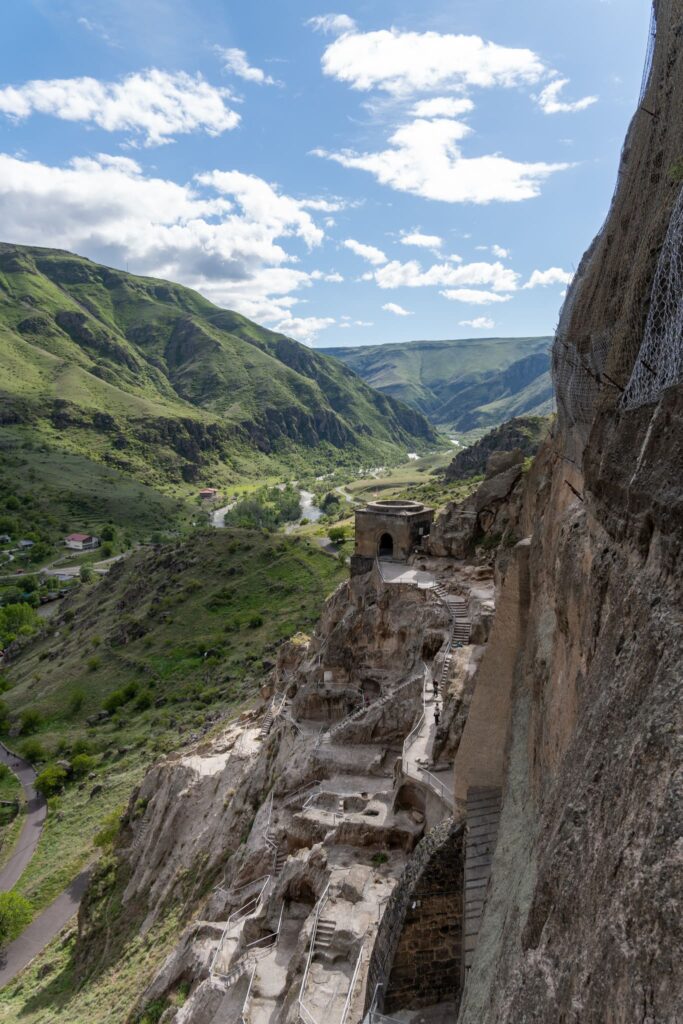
[16,620]
[267,508]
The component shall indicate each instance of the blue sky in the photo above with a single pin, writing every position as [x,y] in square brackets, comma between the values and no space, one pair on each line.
[377,172]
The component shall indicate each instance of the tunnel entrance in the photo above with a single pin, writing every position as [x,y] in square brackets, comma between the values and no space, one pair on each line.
[386,546]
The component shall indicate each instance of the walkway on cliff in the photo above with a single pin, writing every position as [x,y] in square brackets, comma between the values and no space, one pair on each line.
[42,929]
[36,813]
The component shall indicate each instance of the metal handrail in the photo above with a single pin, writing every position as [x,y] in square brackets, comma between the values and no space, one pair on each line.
[245,1004]
[245,911]
[354,978]
[316,917]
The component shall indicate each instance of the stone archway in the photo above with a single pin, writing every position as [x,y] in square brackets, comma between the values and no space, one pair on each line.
[385,546]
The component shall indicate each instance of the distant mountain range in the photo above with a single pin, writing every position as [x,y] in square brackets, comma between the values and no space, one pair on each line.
[150,378]
[461,385]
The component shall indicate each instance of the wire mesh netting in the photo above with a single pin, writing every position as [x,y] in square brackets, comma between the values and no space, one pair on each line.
[649,54]
[659,363]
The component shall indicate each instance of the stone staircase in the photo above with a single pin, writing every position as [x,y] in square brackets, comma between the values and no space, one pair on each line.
[481,834]
[323,935]
[280,860]
[363,710]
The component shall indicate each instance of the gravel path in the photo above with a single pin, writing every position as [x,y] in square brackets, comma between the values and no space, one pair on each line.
[36,812]
[43,929]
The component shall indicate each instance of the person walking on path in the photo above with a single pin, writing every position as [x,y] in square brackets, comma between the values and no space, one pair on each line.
[436,716]
[435,687]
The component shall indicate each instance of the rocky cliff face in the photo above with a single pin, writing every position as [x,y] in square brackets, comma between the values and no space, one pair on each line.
[583,917]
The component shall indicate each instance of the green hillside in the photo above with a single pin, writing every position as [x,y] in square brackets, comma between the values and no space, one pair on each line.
[463,384]
[153,381]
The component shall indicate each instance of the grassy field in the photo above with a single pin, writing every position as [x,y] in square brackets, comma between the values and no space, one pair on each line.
[10,822]
[168,641]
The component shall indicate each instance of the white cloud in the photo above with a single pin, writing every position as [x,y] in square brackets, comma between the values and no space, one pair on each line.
[411,275]
[424,159]
[366,252]
[421,241]
[155,104]
[304,328]
[332,24]
[221,234]
[480,323]
[333,278]
[236,62]
[442,106]
[363,323]
[500,252]
[475,296]
[402,63]
[549,102]
[393,307]
[553,275]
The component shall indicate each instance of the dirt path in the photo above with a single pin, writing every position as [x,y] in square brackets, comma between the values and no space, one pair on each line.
[43,929]
[36,812]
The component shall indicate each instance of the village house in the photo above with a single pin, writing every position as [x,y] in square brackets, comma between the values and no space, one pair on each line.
[208,493]
[82,541]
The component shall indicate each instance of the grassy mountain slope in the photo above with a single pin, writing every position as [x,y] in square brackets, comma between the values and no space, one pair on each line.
[462,384]
[183,632]
[154,380]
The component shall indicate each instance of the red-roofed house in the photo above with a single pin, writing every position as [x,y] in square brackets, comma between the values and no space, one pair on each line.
[208,493]
[82,541]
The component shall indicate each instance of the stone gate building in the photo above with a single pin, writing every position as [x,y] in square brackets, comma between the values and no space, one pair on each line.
[389,529]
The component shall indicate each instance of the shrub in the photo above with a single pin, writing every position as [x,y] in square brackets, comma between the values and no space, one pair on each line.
[143,702]
[81,746]
[15,914]
[152,1012]
[379,858]
[114,701]
[51,780]
[82,764]
[93,663]
[76,701]
[30,721]
[255,621]
[337,534]
[33,751]
[110,829]
[86,573]
[17,620]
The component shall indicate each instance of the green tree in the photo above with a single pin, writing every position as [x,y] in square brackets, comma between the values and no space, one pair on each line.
[51,780]
[15,914]
[86,573]
[17,620]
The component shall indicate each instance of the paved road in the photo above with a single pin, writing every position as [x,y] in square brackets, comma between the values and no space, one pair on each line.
[36,812]
[43,929]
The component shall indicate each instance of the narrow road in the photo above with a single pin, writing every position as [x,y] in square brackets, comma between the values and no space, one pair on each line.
[36,812]
[43,929]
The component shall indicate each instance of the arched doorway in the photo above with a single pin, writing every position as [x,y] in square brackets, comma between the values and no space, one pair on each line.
[385,548]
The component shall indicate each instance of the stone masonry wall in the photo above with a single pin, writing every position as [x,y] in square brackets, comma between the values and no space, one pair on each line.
[416,957]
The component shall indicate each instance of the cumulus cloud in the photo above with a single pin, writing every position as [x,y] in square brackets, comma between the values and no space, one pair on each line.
[480,323]
[421,241]
[332,24]
[393,307]
[442,106]
[366,252]
[405,62]
[553,275]
[411,275]
[223,233]
[154,104]
[424,158]
[500,252]
[304,328]
[474,296]
[549,102]
[236,62]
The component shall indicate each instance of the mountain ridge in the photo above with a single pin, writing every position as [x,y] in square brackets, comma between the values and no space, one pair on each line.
[154,379]
[460,384]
